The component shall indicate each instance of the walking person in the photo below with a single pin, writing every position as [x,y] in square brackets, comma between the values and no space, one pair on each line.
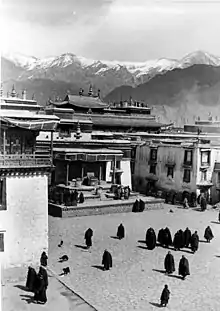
[107,260]
[41,288]
[151,239]
[165,296]
[194,242]
[43,259]
[169,263]
[208,235]
[184,267]
[31,279]
[121,232]
[88,237]
[187,237]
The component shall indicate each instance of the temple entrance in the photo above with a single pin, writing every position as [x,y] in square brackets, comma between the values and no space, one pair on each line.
[80,169]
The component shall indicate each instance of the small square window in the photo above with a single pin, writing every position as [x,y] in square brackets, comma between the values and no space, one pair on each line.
[170,171]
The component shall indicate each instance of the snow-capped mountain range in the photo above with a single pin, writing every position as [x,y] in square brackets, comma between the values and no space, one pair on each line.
[100,67]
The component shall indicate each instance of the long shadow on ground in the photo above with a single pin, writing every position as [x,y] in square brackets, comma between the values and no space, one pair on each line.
[98,267]
[142,247]
[142,241]
[175,276]
[22,287]
[114,237]
[81,246]
[155,304]
[203,241]
[160,271]
[28,298]
[215,222]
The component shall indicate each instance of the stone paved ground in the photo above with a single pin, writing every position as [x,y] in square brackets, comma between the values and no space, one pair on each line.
[132,284]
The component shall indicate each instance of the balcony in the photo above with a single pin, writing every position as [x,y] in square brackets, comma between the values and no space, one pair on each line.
[25,161]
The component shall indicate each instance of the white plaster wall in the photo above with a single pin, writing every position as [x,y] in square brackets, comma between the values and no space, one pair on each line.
[126,175]
[25,220]
[108,169]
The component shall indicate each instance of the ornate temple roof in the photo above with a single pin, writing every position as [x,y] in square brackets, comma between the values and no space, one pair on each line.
[86,102]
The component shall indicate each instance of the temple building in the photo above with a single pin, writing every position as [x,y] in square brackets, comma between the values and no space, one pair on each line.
[24,176]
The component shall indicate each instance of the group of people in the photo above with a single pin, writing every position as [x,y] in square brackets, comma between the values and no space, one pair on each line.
[182,239]
[38,282]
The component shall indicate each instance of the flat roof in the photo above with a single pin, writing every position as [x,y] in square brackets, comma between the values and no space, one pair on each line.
[87,150]
[26,115]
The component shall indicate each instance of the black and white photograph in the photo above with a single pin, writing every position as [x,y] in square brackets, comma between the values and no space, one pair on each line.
[110,155]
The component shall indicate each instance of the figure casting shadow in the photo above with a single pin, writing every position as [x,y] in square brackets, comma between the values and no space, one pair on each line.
[215,222]
[81,246]
[114,237]
[142,247]
[142,241]
[160,271]
[22,287]
[98,267]
[175,276]
[155,304]
[28,298]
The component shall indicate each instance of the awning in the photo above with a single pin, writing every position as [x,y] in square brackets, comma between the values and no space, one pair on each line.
[34,125]
[204,184]
[87,155]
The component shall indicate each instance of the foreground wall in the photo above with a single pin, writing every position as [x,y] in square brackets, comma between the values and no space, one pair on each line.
[24,221]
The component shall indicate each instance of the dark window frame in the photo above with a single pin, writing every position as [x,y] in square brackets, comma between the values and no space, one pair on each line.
[186,178]
[185,157]
[209,158]
[152,169]
[2,241]
[172,171]
[153,154]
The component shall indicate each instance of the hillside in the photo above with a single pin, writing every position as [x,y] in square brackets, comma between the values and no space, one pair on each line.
[180,95]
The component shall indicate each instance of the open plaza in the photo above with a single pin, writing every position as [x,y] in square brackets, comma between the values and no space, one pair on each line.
[136,279]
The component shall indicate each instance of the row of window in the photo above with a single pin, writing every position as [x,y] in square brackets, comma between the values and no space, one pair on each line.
[188,157]
[186,173]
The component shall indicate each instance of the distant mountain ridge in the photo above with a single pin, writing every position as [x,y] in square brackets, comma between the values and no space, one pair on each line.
[166,84]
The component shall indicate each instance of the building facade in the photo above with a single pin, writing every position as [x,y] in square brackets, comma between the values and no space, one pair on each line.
[23,182]
[176,166]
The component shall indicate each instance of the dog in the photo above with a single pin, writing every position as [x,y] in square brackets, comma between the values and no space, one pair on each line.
[66,270]
[63,258]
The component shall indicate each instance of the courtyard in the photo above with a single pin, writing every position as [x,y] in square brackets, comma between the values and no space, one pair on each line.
[136,281]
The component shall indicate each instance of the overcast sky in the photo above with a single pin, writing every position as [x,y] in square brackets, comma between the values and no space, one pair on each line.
[125,30]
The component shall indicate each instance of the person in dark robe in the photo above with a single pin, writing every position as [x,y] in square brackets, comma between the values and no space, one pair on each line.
[165,296]
[141,206]
[182,240]
[184,267]
[88,237]
[194,242]
[177,241]
[208,235]
[151,239]
[169,263]
[76,196]
[160,237]
[40,293]
[167,238]
[126,193]
[81,198]
[219,216]
[31,279]
[187,237]
[107,260]
[135,208]
[121,232]
[203,203]
[43,259]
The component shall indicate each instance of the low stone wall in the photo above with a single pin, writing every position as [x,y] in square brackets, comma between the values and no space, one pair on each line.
[110,208]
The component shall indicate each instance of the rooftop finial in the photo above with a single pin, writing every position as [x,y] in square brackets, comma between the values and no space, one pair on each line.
[90,90]
[99,93]
[13,92]
[24,93]
[81,91]
[78,131]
